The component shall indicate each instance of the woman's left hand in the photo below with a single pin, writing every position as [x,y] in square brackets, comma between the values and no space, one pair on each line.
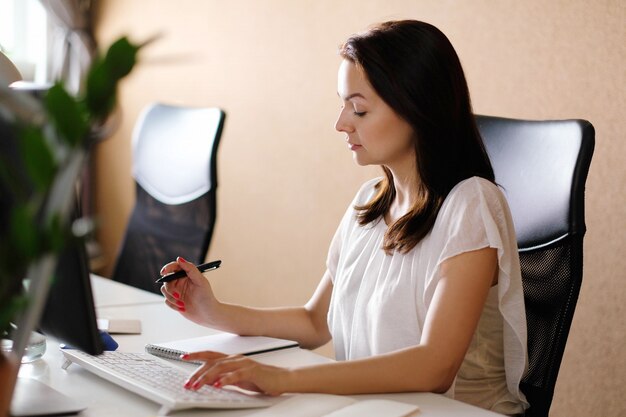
[220,370]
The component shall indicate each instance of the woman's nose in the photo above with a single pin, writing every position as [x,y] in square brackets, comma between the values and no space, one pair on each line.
[341,124]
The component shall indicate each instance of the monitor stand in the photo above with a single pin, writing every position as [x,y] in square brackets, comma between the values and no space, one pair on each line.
[34,398]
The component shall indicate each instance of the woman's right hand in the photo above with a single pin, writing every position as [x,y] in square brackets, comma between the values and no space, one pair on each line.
[191,296]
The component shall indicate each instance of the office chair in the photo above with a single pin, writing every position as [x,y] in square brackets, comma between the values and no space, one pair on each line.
[174,153]
[542,167]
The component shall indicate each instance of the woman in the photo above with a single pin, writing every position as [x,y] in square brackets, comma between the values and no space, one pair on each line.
[423,278]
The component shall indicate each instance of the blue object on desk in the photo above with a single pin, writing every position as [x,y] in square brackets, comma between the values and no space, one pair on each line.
[107,340]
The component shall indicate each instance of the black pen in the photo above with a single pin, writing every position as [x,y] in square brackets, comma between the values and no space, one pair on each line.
[209,266]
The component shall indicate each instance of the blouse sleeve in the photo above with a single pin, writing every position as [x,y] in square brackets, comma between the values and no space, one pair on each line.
[474,216]
[348,222]
[334,251]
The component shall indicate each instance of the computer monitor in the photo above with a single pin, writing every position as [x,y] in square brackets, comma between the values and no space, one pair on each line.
[69,315]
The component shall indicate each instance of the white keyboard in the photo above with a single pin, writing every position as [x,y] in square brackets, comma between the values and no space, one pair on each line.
[159,381]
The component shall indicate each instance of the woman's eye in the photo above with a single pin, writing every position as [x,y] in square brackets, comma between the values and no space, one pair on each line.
[359,113]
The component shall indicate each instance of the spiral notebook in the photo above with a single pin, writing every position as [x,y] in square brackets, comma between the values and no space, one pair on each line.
[228,343]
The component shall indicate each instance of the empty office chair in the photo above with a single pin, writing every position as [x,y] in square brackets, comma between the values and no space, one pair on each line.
[542,166]
[174,157]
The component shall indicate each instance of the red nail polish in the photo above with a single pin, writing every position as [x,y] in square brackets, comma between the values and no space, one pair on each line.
[176,295]
[181,259]
[184,356]
[181,309]
[217,384]
[196,385]
[180,303]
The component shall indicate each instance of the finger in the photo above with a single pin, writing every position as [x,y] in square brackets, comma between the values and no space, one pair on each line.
[250,386]
[183,291]
[206,355]
[173,307]
[175,289]
[169,268]
[167,294]
[239,377]
[190,269]
[212,371]
[171,294]
[195,380]
[245,376]
[172,302]
[192,381]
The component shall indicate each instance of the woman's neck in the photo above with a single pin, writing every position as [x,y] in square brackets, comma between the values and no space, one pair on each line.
[406,184]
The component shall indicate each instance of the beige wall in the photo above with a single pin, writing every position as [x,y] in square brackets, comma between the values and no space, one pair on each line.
[286,176]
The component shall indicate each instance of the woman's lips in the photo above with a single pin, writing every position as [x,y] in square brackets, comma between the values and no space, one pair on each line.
[354,146]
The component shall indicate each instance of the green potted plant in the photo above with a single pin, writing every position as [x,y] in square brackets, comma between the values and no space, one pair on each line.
[44,142]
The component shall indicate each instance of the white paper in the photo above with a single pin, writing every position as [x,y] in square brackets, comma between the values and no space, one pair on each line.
[327,405]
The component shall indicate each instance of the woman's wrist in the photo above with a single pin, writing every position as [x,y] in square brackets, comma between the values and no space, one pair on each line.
[288,381]
[228,317]
[214,314]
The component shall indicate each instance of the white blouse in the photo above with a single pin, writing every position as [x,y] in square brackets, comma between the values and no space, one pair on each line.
[379,302]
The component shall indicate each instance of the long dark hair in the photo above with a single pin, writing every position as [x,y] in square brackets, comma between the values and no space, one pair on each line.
[414,68]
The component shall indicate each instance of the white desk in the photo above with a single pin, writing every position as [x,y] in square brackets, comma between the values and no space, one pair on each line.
[159,324]
[109,293]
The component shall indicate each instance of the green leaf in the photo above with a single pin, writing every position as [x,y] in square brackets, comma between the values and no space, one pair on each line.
[100,96]
[121,58]
[66,114]
[38,157]
[105,74]
[23,233]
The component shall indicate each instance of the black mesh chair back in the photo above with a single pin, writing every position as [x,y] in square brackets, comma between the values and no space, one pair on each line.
[175,171]
[542,167]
